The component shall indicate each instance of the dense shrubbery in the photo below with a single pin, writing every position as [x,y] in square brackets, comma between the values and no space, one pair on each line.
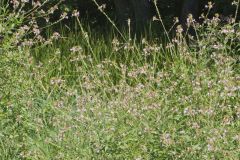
[80,95]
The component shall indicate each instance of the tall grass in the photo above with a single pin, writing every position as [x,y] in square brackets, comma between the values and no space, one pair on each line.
[84,96]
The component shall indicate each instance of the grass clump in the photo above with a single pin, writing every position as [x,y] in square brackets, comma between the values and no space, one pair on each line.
[86,97]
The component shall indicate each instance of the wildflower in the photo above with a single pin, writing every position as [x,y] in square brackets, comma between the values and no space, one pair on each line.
[176,20]
[56,35]
[190,20]
[76,49]
[36,3]
[144,41]
[236,138]
[24,1]
[115,44]
[47,19]
[42,12]
[15,3]
[166,139]
[28,43]
[36,31]
[129,22]
[210,147]
[47,42]
[102,7]
[75,13]
[56,81]
[53,9]
[64,15]
[209,5]
[169,45]
[218,46]
[25,28]
[195,125]
[40,38]
[155,18]
[179,29]
[227,31]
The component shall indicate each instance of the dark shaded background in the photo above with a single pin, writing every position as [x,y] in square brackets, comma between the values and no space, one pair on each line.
[88,9]
[90,14]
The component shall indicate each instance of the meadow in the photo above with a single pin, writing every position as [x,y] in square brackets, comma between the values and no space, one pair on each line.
[83,95]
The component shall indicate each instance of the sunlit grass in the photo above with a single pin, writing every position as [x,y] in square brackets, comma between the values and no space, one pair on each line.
[83,95]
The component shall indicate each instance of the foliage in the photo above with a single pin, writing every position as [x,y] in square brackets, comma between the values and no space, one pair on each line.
[80,95]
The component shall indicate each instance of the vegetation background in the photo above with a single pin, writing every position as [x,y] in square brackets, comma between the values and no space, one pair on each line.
[72,88]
